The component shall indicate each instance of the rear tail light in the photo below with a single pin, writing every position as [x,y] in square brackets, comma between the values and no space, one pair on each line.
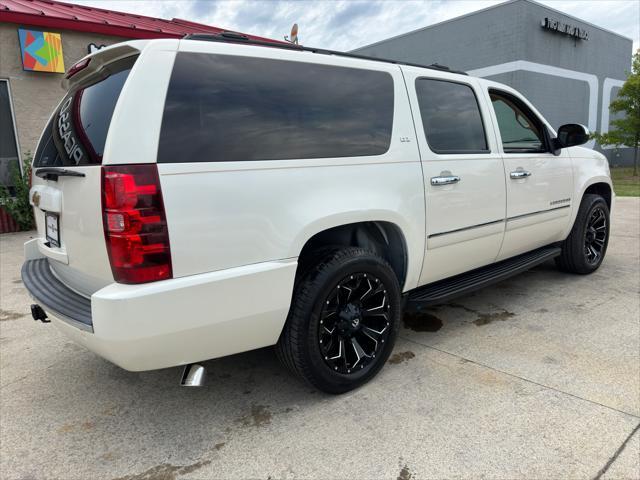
[135,225]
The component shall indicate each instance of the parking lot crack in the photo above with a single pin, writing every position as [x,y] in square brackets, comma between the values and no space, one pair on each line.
[617,453]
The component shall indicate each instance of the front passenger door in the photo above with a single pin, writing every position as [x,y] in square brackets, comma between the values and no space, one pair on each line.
[539,183]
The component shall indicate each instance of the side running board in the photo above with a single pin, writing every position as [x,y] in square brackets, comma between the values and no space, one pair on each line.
[444,290]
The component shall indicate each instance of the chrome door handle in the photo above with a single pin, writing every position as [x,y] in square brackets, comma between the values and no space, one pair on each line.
[445,180]
[520,174]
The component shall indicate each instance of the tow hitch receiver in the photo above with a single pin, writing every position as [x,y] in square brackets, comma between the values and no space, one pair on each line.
[39,314]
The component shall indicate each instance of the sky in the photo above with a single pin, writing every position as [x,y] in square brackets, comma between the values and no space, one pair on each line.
[348,24]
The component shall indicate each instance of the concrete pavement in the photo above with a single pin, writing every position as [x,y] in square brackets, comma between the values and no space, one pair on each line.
[538,376]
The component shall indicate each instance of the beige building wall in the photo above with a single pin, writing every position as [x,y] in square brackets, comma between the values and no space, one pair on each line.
[35,94]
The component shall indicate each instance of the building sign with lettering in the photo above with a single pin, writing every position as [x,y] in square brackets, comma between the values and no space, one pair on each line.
[561,27]
[41,51]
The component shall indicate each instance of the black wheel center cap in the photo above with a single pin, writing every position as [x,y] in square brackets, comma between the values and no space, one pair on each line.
[349,318]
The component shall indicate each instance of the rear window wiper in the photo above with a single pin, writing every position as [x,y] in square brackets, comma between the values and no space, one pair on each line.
[52,173]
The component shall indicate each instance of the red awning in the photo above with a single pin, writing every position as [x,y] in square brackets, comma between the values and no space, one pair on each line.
[67,16]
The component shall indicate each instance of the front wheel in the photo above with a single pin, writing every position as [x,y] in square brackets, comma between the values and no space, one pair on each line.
[343,321]
[585,247]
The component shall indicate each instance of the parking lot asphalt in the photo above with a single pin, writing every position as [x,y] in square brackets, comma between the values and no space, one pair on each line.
[536,377]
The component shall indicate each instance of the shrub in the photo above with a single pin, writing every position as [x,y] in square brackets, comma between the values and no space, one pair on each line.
[16,200]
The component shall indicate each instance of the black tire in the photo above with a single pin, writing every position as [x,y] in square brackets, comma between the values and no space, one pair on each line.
[585,247]
[345,272]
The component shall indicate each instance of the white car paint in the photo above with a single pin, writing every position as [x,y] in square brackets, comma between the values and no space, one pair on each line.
[175,322]
[530,220]
[266,210]
[237,228]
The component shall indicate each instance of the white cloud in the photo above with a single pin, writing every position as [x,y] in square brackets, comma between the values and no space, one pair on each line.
[348,24]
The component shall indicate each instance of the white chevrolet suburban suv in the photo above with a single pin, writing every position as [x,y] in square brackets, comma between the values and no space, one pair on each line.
[202,197]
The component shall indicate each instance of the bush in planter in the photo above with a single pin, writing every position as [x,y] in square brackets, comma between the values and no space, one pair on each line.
[16,200]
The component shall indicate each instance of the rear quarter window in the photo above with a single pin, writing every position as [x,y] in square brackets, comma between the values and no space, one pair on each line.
[229,108]
[77,133]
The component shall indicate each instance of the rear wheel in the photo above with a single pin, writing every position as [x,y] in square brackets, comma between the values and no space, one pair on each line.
[585,247]
[343,321]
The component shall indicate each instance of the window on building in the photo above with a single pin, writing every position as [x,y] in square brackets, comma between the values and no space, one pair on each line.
[450,117]
[8,145]
[520,129]
[230,108]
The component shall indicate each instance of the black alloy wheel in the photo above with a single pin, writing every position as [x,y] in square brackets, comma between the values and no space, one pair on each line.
[595,235]
[354,323]
[343,321]
[584,249]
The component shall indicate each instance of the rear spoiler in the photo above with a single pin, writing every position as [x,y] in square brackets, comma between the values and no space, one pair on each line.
[97,60]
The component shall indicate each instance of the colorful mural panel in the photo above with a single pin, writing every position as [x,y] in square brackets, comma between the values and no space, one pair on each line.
[41,51]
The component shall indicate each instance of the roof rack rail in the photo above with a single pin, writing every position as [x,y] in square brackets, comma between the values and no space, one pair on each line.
[234,37]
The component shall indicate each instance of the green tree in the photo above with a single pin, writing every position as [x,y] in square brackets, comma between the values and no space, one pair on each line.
[626,130]
[16,200]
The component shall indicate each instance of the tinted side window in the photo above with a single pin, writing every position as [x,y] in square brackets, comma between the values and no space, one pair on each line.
[228,108]
[520,129]
[78,130]
[450,117]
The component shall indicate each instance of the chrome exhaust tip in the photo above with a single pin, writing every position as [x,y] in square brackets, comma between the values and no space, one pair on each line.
[193,375]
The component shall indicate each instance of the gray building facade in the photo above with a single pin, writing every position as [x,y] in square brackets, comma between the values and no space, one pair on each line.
[569,69]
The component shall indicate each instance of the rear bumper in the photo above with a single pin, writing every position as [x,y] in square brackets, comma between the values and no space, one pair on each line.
[54,296]
[178,321]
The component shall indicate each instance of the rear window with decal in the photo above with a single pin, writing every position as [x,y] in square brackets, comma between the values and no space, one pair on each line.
[77,133]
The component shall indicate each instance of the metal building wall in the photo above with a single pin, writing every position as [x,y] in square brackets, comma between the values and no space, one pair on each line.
[566,78]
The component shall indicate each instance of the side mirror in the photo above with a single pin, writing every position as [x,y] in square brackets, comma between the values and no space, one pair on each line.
[570,135]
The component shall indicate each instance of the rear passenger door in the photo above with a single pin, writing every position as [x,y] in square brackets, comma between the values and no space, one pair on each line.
[462,171]
[539,183]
